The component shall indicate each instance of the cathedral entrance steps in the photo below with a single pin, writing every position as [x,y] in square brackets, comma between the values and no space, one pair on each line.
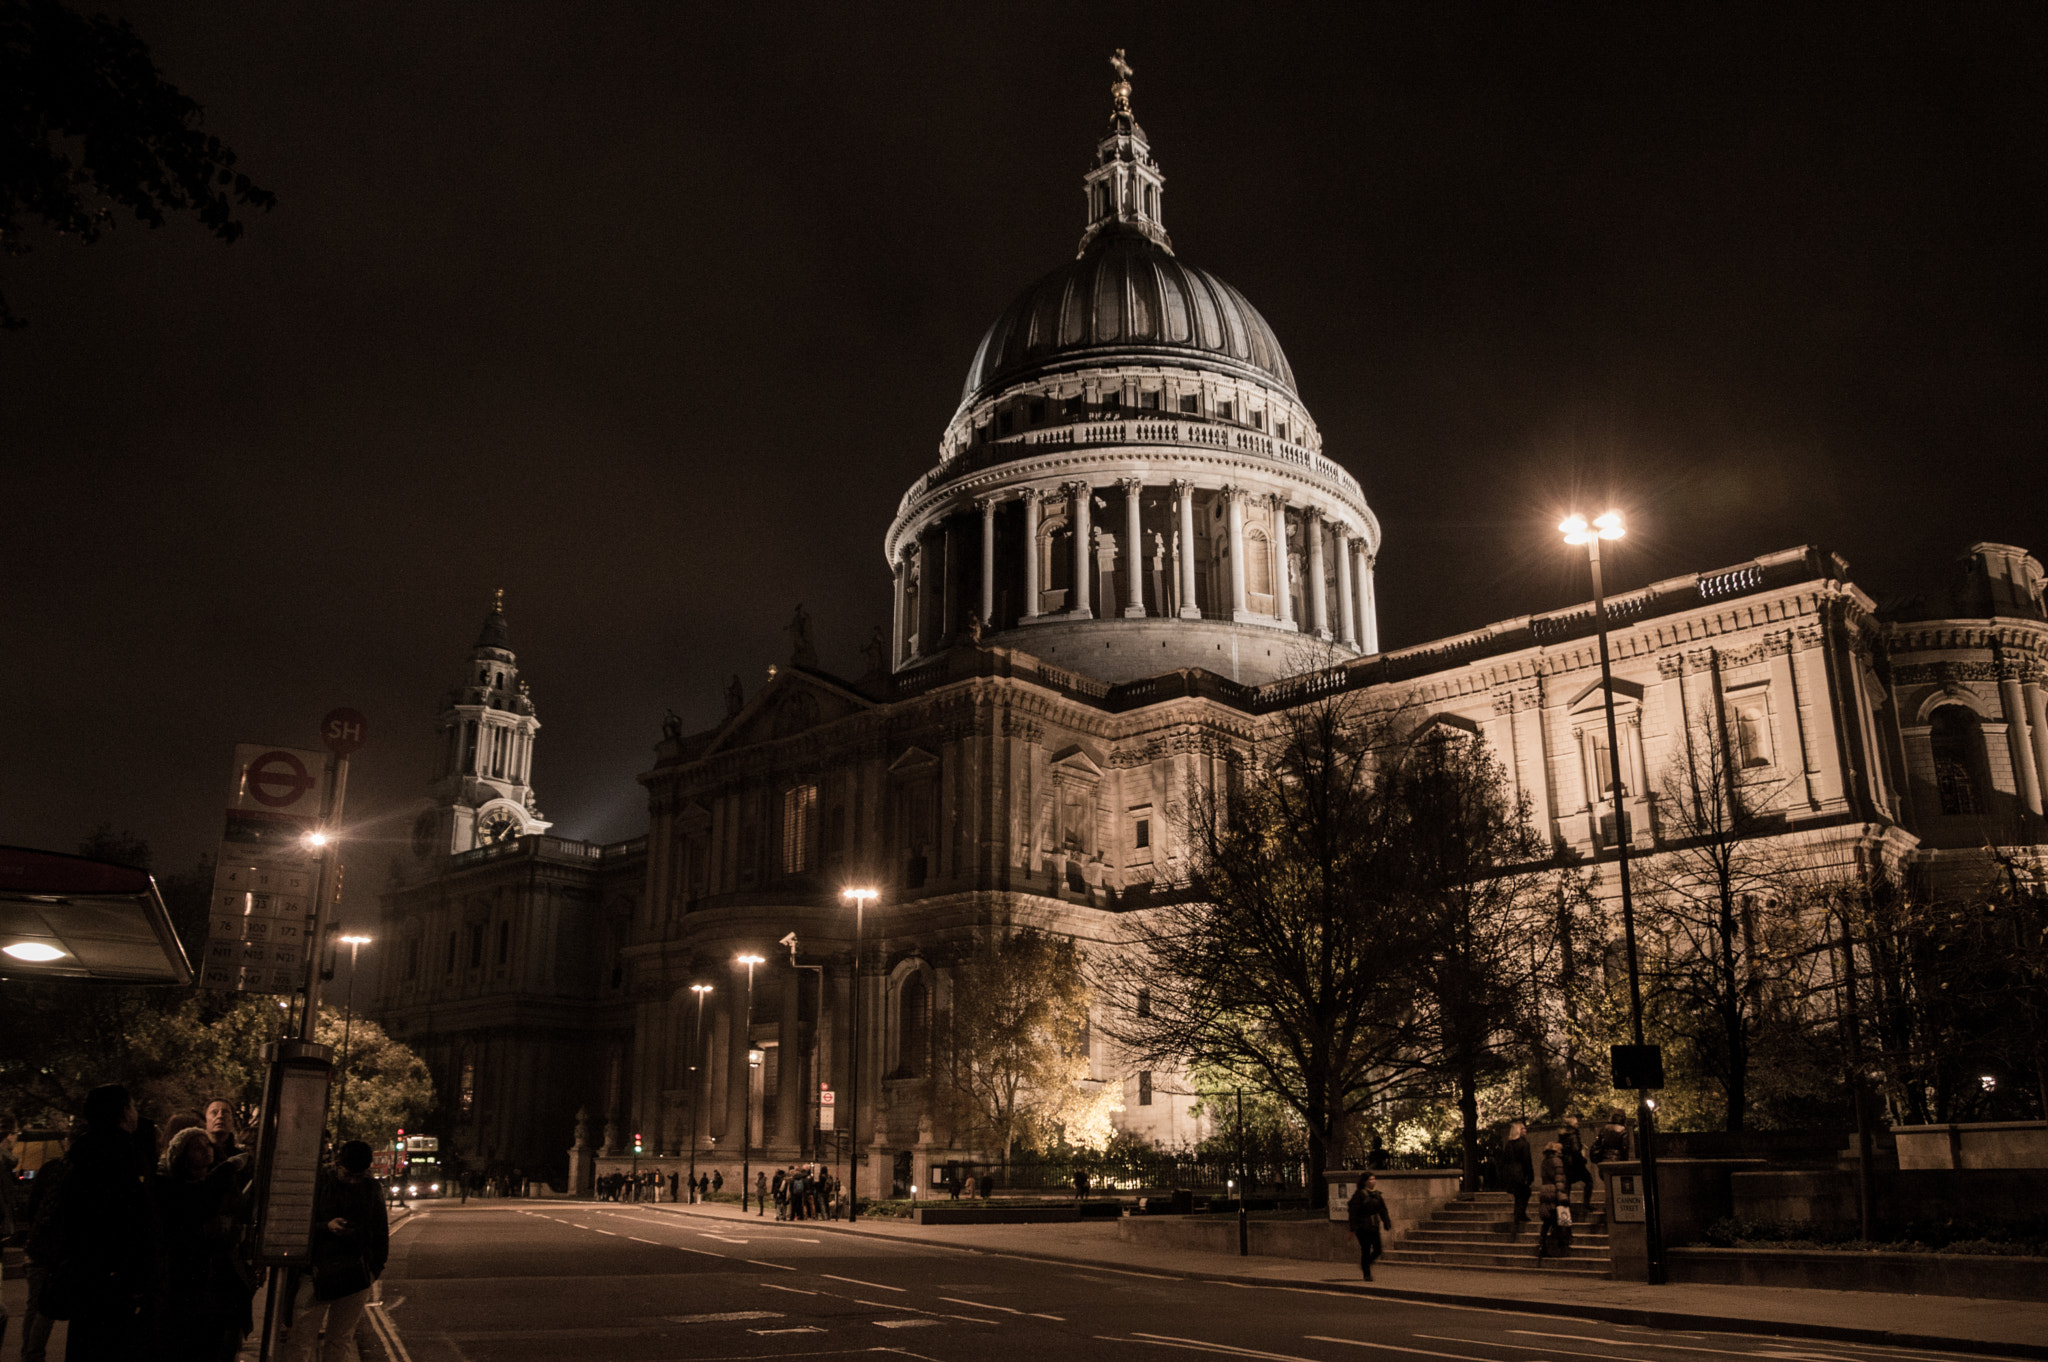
[1476,1231]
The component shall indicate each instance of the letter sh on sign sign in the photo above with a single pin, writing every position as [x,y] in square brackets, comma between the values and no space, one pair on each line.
[343,730]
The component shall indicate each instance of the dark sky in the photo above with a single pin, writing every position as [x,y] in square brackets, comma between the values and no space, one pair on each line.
[649,314]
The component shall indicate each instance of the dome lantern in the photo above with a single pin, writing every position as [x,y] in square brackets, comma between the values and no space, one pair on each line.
[1124,186]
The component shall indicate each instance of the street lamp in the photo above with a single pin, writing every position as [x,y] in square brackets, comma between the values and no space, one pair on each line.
[1643,1067]
[747,1106]
[861,899]
[696,1081]
[754,1058]
[348,1020]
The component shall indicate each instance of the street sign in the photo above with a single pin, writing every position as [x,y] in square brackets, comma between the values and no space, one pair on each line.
[1626,1190]
[266,880]
[344,730]
[826,1099]
[1639,1067]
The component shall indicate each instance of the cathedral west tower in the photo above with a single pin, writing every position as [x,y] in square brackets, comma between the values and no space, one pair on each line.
[1131,484]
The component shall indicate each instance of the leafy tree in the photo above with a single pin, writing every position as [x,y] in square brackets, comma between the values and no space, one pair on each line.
[1018,1023]
[388,1086]
[1480,926]
[89,127]
[1288,960]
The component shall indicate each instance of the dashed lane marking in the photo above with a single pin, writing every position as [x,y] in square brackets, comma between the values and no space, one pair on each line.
[1550,1348]
[905,1323]
[855,1281]
[1037,1315]
[779,1267]
[1205,1346]
[955,1300]
[726,1317]
[799,1329]
[1397,1348]
[638,1240]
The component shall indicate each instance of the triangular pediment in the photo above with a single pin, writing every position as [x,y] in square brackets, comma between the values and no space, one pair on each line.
[794,701]
[1591,697]
[1077,761]
[913,761]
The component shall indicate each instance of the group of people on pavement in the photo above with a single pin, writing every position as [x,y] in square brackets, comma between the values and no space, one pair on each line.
[642,1186]
[803,1191]
[142,1243]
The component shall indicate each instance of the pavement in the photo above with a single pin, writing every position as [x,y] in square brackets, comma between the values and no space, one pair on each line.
[1952,1323]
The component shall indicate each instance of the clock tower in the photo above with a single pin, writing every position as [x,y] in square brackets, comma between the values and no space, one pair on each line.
[482,788]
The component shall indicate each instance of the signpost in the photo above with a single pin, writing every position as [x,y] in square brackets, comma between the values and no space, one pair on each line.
[826,1098]
[267,878]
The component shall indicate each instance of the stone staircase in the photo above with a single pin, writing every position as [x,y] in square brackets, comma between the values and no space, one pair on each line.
[1476,1232]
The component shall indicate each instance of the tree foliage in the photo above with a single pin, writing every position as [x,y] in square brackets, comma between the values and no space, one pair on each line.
[1019,1024]
[89,127]
[388,1087]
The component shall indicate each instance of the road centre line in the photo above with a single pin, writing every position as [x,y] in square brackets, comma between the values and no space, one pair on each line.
[955,1300]
[613,1233]
[1202,1345]
[638,1240]
[1122,1271]
[387,1333]
[797,1290]
[855,1281]
[779,1267]
[1036,1315]
[1396,1348]
[1539,1348]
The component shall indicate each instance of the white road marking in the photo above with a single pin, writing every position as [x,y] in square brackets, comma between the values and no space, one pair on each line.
[1535,1348]
[1123,1271]
[726,1317]
[905,1323]
[1036,1315]
[1396,1348]
[779,1267]
[638,1240]
[973,1319]
[1679,1347]
[855,1281]
[800,1329]
[794,1290]
[613,1233]
[720,1238]
[955,1300]
[1203,1345]
[387,1334]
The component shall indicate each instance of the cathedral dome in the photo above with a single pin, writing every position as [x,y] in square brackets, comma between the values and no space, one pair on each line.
[1127,299]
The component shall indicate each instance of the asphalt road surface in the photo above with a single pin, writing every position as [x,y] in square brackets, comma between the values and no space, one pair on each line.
[547,1282]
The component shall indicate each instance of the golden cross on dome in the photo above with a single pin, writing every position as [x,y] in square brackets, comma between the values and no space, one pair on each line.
[498,601]
[1121,91]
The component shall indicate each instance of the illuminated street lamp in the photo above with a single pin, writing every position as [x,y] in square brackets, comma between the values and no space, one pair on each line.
[1639,1066]
[753,1059]
[696,1080]
[348,1021]
[861,899]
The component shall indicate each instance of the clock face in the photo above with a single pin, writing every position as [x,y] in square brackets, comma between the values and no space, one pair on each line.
[499,825]
[424,829]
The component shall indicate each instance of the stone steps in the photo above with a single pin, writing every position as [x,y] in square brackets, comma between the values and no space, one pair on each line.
[1476,1232]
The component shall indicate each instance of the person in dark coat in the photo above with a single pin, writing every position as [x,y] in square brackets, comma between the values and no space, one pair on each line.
[99,1240]
[1367,1212]
[1517,1171]
[351,1240]
[1552,1191]
[206,1301]
[1575,1169]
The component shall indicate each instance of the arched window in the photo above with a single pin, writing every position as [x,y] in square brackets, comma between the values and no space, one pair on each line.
[1055,562]
[1954,734]
[1258,563]
[913,1026]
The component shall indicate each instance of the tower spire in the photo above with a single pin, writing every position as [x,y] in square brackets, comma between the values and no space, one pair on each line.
[1124,185]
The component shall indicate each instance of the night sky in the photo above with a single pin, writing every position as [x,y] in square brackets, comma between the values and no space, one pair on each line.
[650,313]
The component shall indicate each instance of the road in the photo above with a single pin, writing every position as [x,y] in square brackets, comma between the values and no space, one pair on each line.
[543,1282]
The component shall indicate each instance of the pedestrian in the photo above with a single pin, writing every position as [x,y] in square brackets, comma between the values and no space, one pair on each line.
[674,1188]
[704,1187]
[799,1187]
[98,1235]
[760,1193]
[35,1323]
[1575,1169]
[1517,1171]
[779,1189]
[718,1180]
[968,1190]
[205,1300]
[1612,1141]
[1080,1184]
[1376,1157]
[1367,1212]
[351,1240]
[1553,1200]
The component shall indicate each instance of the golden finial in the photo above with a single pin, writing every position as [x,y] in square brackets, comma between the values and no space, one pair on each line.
[498,602]
[1121,90]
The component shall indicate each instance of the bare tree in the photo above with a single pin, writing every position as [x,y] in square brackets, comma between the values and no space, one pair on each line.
[1288,958]
[1725,951]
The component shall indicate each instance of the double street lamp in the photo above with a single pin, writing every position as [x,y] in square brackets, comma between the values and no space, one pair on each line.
[753,1063]
[1637,1066]
[348,1020]
[696,1080]
[860,898]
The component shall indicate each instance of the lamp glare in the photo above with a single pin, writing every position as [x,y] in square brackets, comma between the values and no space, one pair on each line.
[35,952]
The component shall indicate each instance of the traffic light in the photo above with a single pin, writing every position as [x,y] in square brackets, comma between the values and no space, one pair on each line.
[636,1142]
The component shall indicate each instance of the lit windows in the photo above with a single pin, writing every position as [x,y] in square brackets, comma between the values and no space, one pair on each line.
[799,828]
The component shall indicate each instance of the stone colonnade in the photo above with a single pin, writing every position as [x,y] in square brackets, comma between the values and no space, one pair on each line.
[1351,620]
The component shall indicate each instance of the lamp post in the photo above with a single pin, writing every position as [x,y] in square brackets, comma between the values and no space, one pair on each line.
[696,1081]
[1644,1068]
[747,1107]
[861,899]
[348,1019]
[754,1058]
[810,1135]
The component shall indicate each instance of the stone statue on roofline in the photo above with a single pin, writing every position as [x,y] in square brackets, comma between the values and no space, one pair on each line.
[802,652]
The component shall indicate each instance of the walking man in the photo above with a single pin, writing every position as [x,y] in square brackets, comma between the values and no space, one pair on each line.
[1367,1211]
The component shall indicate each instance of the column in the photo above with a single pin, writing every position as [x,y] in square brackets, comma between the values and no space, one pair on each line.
[1184,493]
[988,562]
[2026,779]
[790,1107]
[1318,594]
[1233,499]
[1134,549]
[2037,723]
[1032,596]
[1281,583]
[1368,601]
[898,635]
[1081,515]
[1346,617]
